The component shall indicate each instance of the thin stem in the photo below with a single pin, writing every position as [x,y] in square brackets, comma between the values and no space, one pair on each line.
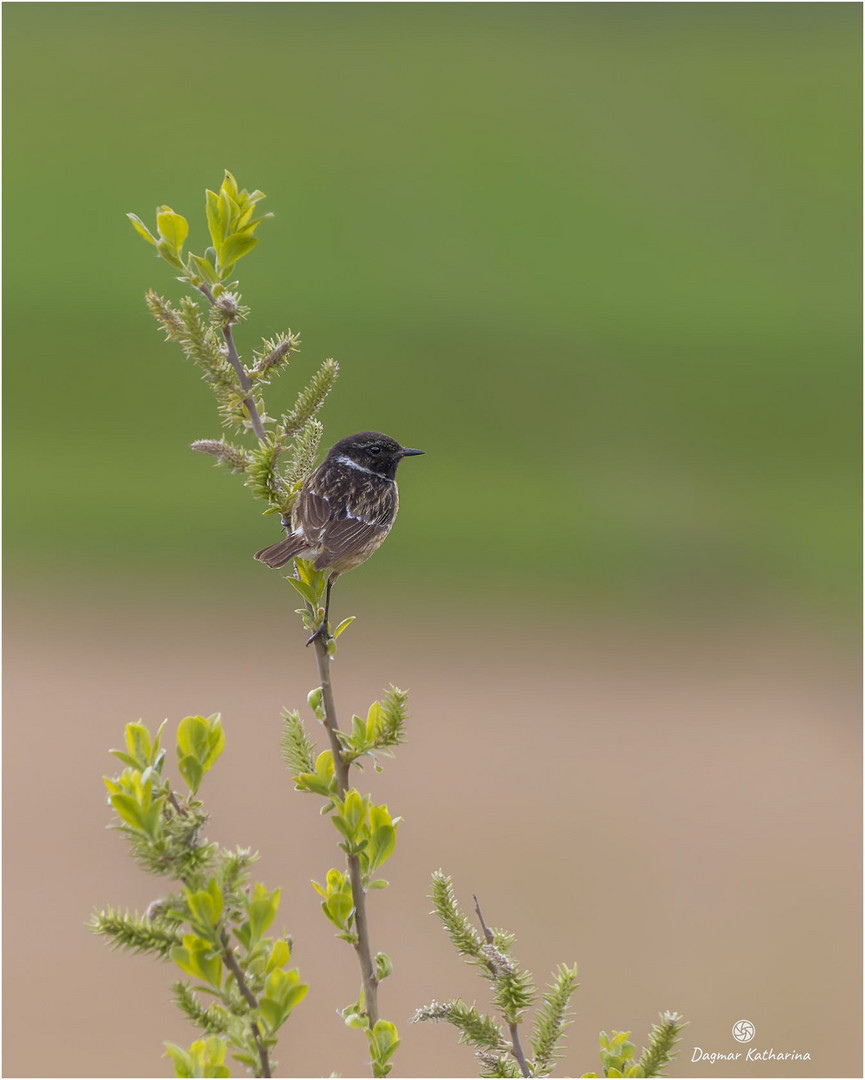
[240,371]
[341,767]
[488,934]
[516,1045]
[331,723]
[250,999]
[517,1050]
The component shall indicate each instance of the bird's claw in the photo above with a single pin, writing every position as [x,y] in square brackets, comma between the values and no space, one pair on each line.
[323,633]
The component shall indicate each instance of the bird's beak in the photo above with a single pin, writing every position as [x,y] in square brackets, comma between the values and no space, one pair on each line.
[409,453]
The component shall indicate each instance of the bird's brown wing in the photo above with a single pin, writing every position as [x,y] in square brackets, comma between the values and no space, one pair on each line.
[311,513]
[281,552]
[348,542]
[352,536]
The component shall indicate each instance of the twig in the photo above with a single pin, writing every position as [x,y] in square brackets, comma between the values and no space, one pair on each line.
[341,766]
[516,1045]
[363,948]
[250,999]
[517,1050]
[488,934]
[240,371]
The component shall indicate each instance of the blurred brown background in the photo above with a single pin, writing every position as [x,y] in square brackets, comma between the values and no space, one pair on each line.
[679,814]
[602,262]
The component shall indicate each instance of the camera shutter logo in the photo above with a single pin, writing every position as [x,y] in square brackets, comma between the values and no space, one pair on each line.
[744,1031]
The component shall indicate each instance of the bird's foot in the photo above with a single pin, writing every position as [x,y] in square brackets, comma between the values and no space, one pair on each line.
[322,632]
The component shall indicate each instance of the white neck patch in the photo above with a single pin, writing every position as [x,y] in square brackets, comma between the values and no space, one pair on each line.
[343,460]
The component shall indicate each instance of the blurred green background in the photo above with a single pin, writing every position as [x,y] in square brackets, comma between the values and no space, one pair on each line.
[601,261]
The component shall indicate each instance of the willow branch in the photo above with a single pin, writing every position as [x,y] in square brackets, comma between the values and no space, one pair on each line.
[362,948]
[517,1050]
[239,370]
[516,1045]
[250,999]
[488,934]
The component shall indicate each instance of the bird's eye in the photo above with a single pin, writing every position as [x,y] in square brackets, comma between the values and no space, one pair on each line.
[375,449]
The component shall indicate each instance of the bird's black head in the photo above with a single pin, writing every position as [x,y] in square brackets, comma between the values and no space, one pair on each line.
[370,450]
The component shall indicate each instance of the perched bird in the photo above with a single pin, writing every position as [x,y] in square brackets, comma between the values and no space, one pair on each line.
[344,510]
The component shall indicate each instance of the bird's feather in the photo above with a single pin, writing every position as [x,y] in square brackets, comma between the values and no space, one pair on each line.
[282,551]
[350,538]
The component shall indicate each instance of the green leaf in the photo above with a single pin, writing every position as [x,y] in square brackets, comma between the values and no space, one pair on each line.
[352,812]
[224,216]
[157,758]
[181,1061]
[306,591]
[216,223]
[281,995]
[345,625]
[337,908]
[138,743]
[374,720]
[142,229]
[262,910]
[251,1061]
[215,1050]
[383,1041]
[272,1012]
[125,758]
[229,185]
[322,781]
[280,955]
[216,741]
[381,846]
[193,737]
[324,765]
[201,740]
[169,253]
[294,996]
[305,570]
[249,225]
[280,985]
[191,771]
[172,227]
[197,958]
[343,827]
[205,268]
[204,1058]
[382,836]
[205,905]
[315,700]
[358,732]
[236,246]
[245,218]
[128,810]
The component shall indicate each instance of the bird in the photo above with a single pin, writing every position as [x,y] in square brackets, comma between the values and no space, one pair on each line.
[344,510]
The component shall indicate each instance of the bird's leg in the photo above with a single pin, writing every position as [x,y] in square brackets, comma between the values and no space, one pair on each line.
[323,631]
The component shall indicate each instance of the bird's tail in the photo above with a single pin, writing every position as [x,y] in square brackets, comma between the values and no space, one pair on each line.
[278,554]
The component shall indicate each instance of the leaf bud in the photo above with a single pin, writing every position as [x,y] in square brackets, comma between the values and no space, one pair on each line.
[314,699]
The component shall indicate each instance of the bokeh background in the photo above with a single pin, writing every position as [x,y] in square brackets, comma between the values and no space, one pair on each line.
[603,263]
